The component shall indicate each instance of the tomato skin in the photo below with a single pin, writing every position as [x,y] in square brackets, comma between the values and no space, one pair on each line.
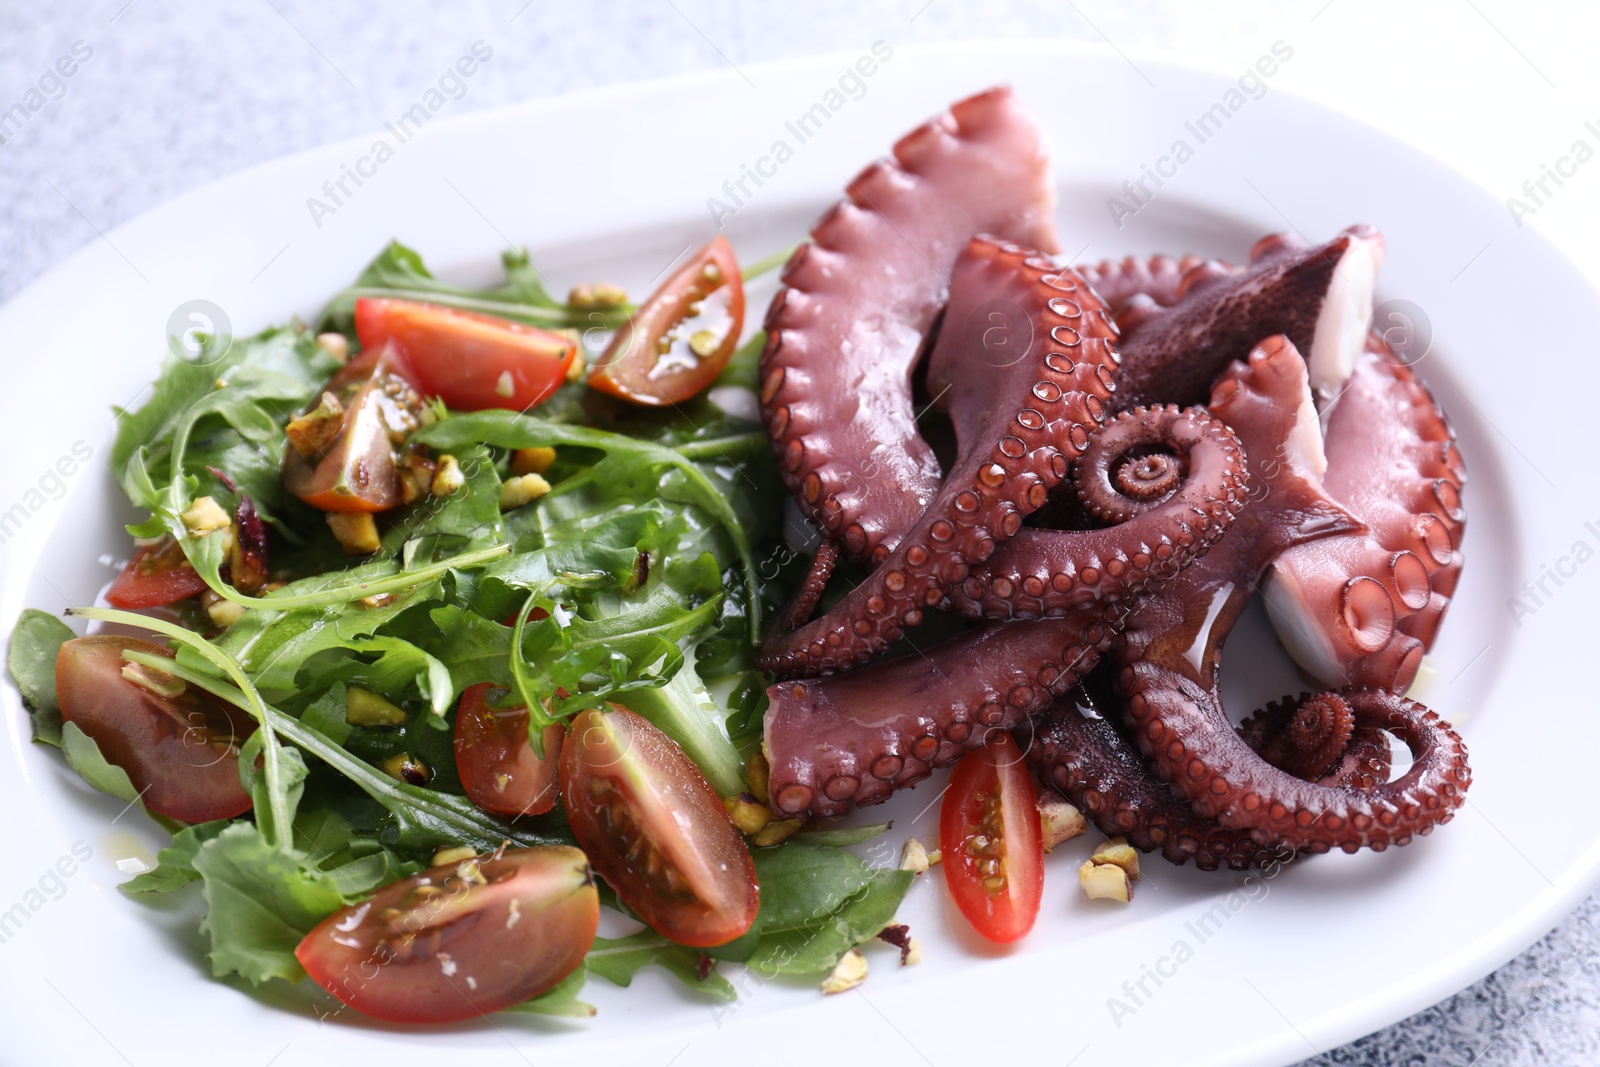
[495,760]
[991,785]
[156,575]
[655,830]
[633,366]
[176,750]
[356,471]
[405,954]
[461,356]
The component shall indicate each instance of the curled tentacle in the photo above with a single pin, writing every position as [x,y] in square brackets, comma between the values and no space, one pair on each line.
[844,333]
[1316,738]
[1157,279]
[1025,413]
[1173,480]
[854,738]
[803,603]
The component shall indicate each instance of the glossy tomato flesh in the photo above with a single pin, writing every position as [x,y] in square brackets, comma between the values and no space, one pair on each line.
[157,574]
[496,761]
[678,341]
[992,841]
[180,752]
[355,470]
[655,830]
[459,941]
[470,361]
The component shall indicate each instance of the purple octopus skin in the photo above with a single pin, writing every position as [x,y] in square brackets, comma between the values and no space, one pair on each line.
[845,332]
[1077,749]
[1320,298]
[855,738]
[1362,608]
[1021,421]
[1169,651]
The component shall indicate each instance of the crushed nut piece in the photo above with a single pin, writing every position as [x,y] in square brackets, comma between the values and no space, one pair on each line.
[221,612]
[1118,851]
[775,832]
[453,854]
[407,768]
[849,972]
[912,954]
[318,428]
[355,531]
[596,296]
[362,708]
[1105,881]
[160,683]
[522,489]
[416,478]
[748,813]
[205,516]
[447,476]
[1061,821]
[914,856]
[335,344]
[535,460]
[756,770]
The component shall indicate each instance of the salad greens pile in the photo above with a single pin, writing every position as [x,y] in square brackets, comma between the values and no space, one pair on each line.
[633,580]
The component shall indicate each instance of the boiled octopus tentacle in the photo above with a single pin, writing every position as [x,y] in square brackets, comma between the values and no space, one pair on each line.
[1080,752]
[854,738]
[1316,737]
[1168,483]
[1320,298]
[1021,421]
[1170,651]
[1158,278]
[803,602]
[844,334]
[1362,608]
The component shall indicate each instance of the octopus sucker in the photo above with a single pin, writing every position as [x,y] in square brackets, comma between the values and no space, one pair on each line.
[1139,446]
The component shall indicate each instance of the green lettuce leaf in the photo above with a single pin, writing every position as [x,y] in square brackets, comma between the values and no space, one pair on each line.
[35,641]
[618,960]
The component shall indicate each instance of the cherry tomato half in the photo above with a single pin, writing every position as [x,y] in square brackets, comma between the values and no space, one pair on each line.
[496,762]
[459,941]
[992,841]
[655,830]
[157,574]
[679,340]
[470,361]
[179,745]
[343,459]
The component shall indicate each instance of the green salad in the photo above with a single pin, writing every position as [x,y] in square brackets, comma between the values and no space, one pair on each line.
[435,617]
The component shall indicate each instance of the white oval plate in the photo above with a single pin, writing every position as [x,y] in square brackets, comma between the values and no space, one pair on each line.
[1201,967]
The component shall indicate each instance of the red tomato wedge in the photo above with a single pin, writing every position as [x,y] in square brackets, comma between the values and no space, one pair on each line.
[157,574]
[346,461]
[179,744]
[992,841]
[470,361]
[496,762]
[679,340]
[459,941]
[655,830]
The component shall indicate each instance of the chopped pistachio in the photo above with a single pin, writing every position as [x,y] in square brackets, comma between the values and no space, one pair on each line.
[1061,821]
[914,856]
[407,768]
[535,460]
[363,708]
[416,478]
[221,612]
[522,489]
[913,953]
[318,428]
[355,531]
[1105,881]
[453,854]
[205,516]
[335,344]
[596,296]
[756,770]
[775,833]
[748,813]
[158,682]
[1118,851]
[849,972]
[447,476]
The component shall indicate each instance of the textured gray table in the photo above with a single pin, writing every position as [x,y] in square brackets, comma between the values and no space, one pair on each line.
[176,95]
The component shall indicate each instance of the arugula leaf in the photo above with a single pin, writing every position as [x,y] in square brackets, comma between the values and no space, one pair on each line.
[842,836]
[817,903]
[398,272]
[261,902]
[35,642]
[174,867]
[618,960]
[84,756]
[560,999]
